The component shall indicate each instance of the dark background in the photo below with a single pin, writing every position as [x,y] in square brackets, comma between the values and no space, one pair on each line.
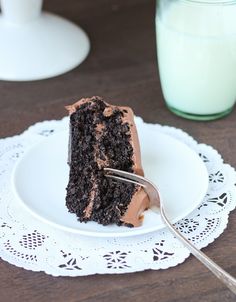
[122,68]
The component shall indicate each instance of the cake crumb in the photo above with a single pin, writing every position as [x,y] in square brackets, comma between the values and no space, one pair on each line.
[108,111]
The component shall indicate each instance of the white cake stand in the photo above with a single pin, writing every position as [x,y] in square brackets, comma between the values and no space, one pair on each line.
[36,45]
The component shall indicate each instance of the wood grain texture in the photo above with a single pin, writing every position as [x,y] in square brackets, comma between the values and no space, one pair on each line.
[122,68]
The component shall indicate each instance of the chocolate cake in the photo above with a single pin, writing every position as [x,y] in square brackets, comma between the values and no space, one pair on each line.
[102,135]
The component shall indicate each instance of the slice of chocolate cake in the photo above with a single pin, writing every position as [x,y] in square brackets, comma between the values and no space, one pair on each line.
[102,135]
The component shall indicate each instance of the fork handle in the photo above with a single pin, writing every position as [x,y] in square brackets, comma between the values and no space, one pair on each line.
[221,274]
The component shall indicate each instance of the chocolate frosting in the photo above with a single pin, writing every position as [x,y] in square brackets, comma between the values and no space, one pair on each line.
[140,201]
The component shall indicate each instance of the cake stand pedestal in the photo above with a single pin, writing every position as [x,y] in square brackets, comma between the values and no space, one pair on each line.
[36,45]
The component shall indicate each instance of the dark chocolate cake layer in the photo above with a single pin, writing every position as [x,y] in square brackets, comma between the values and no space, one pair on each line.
[101,136]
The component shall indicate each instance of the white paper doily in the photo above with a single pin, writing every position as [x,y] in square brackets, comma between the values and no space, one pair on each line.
[33,245]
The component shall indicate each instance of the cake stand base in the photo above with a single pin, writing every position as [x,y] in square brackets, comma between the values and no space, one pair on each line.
[46,47]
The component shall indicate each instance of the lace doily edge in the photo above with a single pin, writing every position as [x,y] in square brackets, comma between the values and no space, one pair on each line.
[86,273]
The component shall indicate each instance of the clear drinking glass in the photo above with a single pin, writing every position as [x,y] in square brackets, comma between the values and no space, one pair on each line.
[196,47]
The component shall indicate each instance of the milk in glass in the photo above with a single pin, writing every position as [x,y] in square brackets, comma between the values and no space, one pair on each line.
[197,56]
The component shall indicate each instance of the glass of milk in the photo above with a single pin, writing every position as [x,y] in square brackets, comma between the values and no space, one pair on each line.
[196,46]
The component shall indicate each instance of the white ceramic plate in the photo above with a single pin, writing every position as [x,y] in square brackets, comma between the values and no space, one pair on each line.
[40,179]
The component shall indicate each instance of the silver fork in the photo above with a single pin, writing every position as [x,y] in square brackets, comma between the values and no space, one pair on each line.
[156,200]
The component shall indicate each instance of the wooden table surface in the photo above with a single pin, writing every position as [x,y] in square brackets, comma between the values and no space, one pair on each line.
[122,68]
